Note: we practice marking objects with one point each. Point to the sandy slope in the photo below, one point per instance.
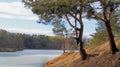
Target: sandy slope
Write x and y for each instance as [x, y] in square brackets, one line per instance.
[98, 56]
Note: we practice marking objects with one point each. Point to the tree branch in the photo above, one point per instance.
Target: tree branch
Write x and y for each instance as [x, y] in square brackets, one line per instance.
[110, 16]
[104, 14]
[99, 18]
[76, 26]
[69, 22]
[111, 12]
[80, 17]
[74, 17]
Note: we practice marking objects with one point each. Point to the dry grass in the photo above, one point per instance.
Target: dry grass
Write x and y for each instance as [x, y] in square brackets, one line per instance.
[99, 56]
[66, 59]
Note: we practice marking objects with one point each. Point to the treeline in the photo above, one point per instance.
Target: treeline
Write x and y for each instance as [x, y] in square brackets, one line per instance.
[16, 41]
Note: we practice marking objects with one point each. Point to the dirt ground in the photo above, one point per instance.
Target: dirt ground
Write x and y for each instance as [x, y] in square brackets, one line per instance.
[99, 56]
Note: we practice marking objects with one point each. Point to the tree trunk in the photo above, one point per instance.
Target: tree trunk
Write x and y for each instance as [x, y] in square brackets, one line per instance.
[82, 52]
[79, 33]
[64, 46]
[111, 38]
[80, 42]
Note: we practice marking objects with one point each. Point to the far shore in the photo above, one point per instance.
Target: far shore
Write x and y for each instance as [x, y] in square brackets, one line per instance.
[10, 49]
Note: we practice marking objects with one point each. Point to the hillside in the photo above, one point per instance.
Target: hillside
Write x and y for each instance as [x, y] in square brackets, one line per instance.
[99, 56]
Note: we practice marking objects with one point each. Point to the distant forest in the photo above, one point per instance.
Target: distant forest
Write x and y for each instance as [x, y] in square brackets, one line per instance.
[17, 41]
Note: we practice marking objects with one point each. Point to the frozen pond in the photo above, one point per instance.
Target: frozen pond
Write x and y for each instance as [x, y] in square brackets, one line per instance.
[27, 58]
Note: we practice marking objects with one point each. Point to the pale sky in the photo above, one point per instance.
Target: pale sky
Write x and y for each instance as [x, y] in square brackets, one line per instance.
[14, 17]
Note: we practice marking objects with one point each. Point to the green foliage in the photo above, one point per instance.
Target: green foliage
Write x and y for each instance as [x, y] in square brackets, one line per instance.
[23, 41]
[115, 23]
[10, 40]
[72, 49]
[51, 9]
[59, 29]
[101, 35]
[108, 13]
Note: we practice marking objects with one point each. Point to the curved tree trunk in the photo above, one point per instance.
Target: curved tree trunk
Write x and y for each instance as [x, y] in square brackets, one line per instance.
[111, 38]
[82, 50]
[79, 33]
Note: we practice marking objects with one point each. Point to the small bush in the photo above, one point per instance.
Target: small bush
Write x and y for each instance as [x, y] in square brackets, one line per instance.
[72, 49]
